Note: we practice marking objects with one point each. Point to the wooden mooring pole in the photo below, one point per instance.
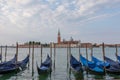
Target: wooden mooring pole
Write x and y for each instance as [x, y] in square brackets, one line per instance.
[29, 55]
[116, 52]
[69, 54]
[32, 58]
[51, 57]
[1, 53]
[51, 50]
[68, 69]
[69, 60]
[91, 51]
[79, 46]
[16, 54]
[54, 54]
[16, 51]
[5, 52]
[103, 50]
[87, 58]
[41, 52]
[86, 53]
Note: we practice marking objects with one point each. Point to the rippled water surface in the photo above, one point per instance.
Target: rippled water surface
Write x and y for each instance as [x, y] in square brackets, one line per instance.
[60, 71]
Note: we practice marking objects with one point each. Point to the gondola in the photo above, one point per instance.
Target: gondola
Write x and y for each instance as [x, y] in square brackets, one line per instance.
[109, 65]
[8, 68]
[45, 66]
[22, 64]
[100, 63]
[13, 66]
[13, 60]
[114, 66]
[91, 66]
[76, 66]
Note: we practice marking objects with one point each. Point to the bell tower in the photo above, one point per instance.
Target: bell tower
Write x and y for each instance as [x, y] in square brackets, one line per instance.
[59, 37]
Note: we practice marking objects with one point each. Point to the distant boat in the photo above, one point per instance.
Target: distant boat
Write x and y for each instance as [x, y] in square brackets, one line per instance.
[75, 65]
[12, 65]
[45, 66]
[91, 66]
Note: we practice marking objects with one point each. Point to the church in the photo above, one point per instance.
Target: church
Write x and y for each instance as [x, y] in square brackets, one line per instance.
[64, 43]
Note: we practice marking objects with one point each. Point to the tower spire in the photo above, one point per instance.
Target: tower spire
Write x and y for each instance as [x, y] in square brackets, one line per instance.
[58, 31]
[59, 37]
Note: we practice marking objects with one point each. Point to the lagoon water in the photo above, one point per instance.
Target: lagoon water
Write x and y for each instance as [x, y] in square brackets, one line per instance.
[61, 71]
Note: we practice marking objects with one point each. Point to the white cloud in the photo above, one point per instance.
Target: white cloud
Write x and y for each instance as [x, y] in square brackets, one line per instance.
[23, 1]
[36, 17]
[60, 8]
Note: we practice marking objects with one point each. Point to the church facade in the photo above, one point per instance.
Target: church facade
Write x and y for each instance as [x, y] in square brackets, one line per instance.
[66, 43]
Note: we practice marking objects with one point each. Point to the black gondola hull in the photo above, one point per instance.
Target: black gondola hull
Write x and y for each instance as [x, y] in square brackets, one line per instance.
[40, 71]
[9, 71]
[45, 66]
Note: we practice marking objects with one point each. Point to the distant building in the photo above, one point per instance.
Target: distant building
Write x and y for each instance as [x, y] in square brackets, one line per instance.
[83, 45]
[27, 46]
[60, 43]
[64, 43]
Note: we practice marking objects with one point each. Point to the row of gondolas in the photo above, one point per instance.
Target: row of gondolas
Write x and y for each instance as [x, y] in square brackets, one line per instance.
[95, 65]
[14, 66]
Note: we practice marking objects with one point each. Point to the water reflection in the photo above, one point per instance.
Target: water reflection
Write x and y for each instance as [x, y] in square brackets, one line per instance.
[115, 76]
[43, 76]
[7, 76]
[78, 76]
[91, 76]
[95, 76]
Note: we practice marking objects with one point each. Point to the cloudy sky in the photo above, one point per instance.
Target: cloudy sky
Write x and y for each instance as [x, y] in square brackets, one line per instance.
[93, 21]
